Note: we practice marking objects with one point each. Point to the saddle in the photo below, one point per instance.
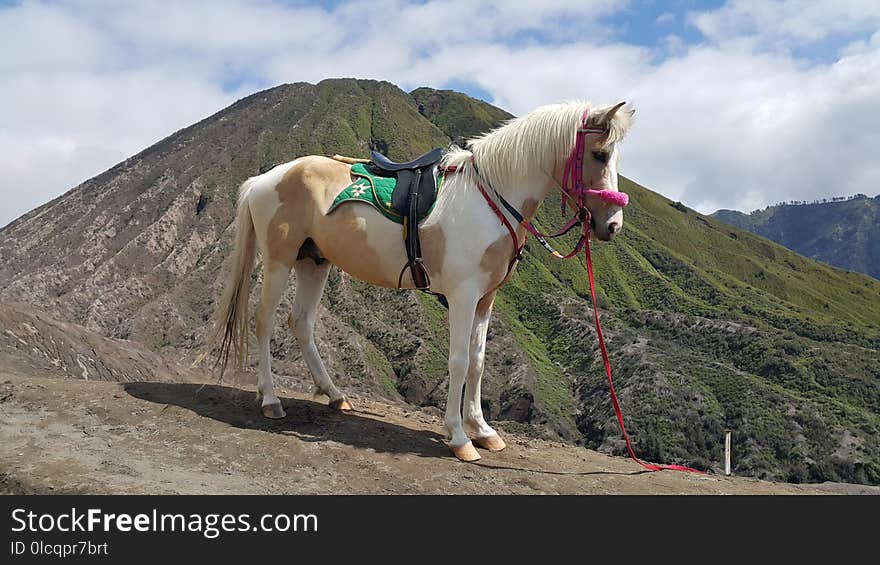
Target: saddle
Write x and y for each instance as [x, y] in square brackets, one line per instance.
[413, 196]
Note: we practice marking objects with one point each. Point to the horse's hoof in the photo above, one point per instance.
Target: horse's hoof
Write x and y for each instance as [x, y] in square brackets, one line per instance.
[341, 405]
[467, 452]
[273, 411]
[492, 443]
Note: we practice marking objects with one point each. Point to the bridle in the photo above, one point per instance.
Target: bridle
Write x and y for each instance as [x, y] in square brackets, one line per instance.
[573, 189]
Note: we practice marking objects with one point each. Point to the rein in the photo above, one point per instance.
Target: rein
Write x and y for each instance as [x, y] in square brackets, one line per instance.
[572, 188]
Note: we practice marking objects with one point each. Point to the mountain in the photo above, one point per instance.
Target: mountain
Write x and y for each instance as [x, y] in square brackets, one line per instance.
[843, 232]
[709, 328]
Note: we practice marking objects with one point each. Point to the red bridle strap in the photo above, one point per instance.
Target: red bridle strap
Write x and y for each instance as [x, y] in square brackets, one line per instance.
[517, 246]
[573, 174]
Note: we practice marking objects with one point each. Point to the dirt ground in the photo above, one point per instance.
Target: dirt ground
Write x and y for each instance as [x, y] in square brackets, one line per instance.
[74, 436]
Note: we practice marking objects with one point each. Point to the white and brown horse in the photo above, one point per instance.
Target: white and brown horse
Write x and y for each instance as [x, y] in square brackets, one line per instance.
[466, 250]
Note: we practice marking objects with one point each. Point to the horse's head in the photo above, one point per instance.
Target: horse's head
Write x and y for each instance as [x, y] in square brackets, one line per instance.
[606, 128]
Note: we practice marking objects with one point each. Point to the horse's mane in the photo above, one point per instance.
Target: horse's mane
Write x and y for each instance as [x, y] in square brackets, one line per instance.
[539, 141]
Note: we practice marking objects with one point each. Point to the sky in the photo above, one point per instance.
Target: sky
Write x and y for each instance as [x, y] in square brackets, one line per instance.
[739, 104]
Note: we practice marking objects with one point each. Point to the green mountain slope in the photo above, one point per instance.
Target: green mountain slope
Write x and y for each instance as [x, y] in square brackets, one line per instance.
[714, 329]
[458, 115]
[844, 233]
[709, 327]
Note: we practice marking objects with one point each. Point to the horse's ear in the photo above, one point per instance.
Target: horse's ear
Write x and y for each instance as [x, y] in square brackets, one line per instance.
[615, 122]
[609, 115]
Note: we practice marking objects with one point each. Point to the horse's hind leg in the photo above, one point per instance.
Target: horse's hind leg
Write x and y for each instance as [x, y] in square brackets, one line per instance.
[275, 276]
[310, 281]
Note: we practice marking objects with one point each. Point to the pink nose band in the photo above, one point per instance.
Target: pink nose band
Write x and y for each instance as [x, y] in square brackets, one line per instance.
[610, 196]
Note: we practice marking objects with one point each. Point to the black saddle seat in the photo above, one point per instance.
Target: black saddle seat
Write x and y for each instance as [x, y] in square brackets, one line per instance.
[413, 195]
[426, 160]
[416, 178]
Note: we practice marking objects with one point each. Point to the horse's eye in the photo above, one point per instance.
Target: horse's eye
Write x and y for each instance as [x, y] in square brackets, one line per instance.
[600, 156]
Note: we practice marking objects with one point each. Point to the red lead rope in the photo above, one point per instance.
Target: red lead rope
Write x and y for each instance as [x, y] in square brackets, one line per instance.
[588, 256]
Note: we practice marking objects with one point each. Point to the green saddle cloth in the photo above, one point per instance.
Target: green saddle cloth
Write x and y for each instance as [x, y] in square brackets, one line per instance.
[376, 191]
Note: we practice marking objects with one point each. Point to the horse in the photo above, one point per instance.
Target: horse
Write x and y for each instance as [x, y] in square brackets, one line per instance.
[466, 250]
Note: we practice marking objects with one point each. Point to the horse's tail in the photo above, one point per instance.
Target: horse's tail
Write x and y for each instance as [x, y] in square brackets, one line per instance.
[231, 316]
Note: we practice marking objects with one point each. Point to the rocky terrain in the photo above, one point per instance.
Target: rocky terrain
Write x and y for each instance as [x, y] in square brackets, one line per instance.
[68, 436]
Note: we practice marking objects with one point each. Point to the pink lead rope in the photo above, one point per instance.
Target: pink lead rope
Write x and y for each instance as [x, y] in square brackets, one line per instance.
[573, 187]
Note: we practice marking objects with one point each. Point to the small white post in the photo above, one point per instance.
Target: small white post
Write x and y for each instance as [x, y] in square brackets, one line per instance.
[727, 454]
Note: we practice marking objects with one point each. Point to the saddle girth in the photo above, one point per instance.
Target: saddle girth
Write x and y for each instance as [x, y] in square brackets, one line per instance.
[411, 239]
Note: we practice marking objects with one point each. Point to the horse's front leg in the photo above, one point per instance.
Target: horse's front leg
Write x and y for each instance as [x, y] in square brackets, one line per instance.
[474, 422]
[461, 320]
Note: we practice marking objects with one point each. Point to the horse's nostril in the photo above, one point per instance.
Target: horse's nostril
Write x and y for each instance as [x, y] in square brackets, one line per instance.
[612, 227]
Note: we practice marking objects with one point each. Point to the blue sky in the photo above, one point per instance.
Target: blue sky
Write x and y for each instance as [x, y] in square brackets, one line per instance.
[739, 104]
[648, 23]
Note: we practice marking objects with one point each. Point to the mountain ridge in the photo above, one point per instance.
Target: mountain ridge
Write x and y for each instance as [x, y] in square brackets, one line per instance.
[844, 233]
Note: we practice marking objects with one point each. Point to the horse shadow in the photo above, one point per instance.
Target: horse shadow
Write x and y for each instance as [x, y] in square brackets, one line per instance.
[306, 420]
[313, 421]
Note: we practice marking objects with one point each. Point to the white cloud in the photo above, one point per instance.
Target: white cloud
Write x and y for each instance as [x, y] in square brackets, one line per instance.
[45, 39]
[67, 128]
[790, 23]
[745, 130]
[735, 121]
